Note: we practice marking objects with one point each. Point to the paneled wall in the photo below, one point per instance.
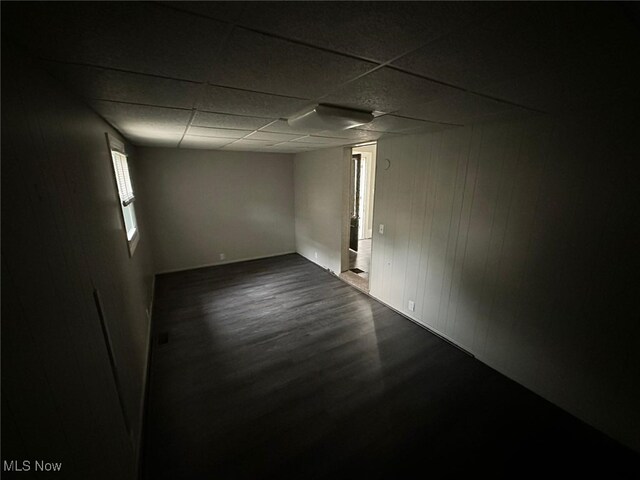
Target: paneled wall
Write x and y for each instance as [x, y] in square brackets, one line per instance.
[203, 203]
[518, 241]
[63, 237]
[321, 206]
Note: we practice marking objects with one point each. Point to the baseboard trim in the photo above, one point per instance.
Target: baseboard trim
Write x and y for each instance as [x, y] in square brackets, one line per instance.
[215, 264]
[399, 312]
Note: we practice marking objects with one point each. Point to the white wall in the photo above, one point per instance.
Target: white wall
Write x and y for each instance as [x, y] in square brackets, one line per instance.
[62, 236]
[516, 240]
[203, 203]
[321, 208]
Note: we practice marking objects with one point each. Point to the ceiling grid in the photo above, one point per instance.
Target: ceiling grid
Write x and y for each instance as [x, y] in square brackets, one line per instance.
[229, 74]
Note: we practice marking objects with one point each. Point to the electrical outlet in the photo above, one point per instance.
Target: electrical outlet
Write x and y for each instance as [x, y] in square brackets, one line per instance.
[222, 256]
[381, 229]
[315, 254]
[412, 306]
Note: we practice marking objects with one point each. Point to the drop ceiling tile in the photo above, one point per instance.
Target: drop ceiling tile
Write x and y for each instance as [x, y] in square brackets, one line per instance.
[248, 145]
[352, 134]
[375, 30]
[538, 54]
[225, 11]
[272, 137]
[507, 116]
[243, 102]
[281, 126]
[542, 91]
[193, 141]
[138, 122]
[288, 148]
[105, 84]
[392, 123]
[460, 108]
[611, 50]
[596, 90]
[262, 63]
[321, 146]
[134, 36]
[219, 120]
[217, 132]
[315, 140]
[592, 70]
[387, 90]
[502, 47]
[253, 142]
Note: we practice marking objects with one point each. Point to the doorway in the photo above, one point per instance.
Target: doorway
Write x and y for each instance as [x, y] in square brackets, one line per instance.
[361, 195]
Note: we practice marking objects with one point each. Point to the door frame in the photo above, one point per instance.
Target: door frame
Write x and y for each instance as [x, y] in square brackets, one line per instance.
[347, 199]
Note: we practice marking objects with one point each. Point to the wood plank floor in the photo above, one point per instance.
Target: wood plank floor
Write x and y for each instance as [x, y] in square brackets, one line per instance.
[276, 369]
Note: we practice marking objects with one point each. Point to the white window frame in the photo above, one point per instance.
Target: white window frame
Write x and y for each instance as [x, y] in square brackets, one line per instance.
[124, 192]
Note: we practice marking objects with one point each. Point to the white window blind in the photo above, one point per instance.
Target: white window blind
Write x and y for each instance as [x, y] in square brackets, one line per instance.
[121, 168]
[124, 191]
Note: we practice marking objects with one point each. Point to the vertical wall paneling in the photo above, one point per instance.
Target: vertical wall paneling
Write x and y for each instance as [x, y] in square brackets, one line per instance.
[405, 186]
[445, 179]
[418, 200]
[514, 239]
[432, 172]
[461, 157]
[461, 233]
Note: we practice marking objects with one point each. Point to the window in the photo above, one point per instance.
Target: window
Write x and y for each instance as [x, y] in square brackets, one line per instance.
[125, 191]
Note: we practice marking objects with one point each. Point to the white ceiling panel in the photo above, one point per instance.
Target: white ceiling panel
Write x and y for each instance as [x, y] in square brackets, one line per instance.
[506, 116]
[218, 120]
[288, 148]
[139, 122]
[194, 141]
[248, 145]
[601, 68]
[375, 30]
[133, 36]
[587, 69]
[394, 124]
[243, 102]
[229, 69]
[387, 90]
[106, 84]
[281, 126]
[460, 108]
[226, 11]
[501, 47]
[352, 134]
[316, 140]
[543, 91]
[262, 63]
[272, 137]
[217, 132]
[319, 146]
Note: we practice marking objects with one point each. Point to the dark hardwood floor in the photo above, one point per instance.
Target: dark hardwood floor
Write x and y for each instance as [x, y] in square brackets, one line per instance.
[276, 369]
